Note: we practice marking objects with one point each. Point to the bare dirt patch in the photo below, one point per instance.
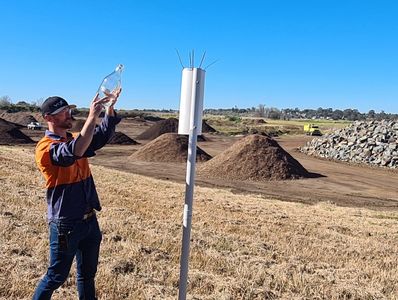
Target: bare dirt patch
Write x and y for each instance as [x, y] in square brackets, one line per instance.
[339, 183]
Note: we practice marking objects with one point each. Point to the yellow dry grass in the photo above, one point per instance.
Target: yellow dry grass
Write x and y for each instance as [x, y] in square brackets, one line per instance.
[227, 125]
[243, 246]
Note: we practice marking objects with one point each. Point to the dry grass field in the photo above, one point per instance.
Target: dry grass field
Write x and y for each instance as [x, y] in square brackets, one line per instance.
[237, 125]
[243, 246]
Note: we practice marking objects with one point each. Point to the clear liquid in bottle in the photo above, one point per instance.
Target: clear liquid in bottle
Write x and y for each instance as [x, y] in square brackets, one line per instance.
[110, 85]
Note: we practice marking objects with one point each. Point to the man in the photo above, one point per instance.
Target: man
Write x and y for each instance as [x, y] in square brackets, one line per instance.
[71, 195]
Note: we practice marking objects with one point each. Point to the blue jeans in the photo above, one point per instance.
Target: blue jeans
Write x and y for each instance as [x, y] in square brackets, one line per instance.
[67, 240]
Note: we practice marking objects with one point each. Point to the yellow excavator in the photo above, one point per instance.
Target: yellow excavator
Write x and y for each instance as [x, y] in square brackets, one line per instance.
[312, 129]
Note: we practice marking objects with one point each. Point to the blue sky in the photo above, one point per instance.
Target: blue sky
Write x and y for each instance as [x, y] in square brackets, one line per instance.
[284, 54]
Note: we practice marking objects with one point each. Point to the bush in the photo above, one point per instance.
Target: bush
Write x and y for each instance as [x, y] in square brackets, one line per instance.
[235, 119]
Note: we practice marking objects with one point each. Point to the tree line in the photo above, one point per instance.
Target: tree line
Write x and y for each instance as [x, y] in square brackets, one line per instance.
[260, 111]
[7, 105]
[296, 113]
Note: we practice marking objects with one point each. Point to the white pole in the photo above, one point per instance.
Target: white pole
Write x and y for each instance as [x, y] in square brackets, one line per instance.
[189, 185]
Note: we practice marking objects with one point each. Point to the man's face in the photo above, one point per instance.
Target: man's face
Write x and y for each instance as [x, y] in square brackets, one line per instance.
[63, 119]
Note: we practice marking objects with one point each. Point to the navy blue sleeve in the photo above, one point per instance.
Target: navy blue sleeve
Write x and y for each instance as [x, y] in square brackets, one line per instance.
[103, 133]
[61, 154]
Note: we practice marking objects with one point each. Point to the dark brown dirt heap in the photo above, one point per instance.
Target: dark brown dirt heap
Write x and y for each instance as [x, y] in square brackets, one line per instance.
[170, 126]
[256, 158]
[122, 139]
[259, 121]
[159, 128]
[200, 138]
[23, 118]
[169, 147]
[207, 128]
[10, 134]
[153, 118]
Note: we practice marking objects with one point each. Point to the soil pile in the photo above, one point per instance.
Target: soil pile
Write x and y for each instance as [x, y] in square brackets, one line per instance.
[256, 158]
[259, 121]
[118, 138]
[373, 143]
[169, 147]
[25, 120]
[22, 118]
[121, 139]
[170, 126]
[252, 121]
[207, 128]
[153, 118]
[137, 119]
[10, 134]
[159, 128]
[4, 122]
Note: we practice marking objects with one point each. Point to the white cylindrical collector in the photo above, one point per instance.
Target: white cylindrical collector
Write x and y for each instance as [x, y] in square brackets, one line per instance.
[192, 87]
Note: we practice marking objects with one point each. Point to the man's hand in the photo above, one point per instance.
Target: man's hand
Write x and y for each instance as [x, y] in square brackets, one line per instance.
[86, 134]
[112, 98]
[96, 106]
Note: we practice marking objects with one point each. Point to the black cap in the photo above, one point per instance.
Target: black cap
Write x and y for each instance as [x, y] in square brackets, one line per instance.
[53, 105]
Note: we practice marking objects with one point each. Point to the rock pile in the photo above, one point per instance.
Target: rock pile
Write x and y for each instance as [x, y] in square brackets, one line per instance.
[372, 142]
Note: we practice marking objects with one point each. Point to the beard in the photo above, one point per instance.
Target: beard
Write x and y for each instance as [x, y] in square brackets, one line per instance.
[66, 124]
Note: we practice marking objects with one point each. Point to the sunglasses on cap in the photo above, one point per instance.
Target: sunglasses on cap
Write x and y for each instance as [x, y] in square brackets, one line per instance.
[62, 110]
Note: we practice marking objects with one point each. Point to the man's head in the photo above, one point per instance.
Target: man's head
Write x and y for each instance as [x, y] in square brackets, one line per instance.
[57, 111]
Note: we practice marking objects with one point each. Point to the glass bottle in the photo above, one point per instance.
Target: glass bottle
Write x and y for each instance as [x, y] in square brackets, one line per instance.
[110, 85]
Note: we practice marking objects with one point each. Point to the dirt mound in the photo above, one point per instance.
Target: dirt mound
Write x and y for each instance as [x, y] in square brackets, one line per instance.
[169, 147]
[207, 128]
[201, 138]
[137, 119]
[169, 126]
[259, 121]
[10, 134]
[252, 121]
[5, 122]
[159, 128]
[22, 118]
[153, 118]
[122, 139]
[25, 120]
[256, 158]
